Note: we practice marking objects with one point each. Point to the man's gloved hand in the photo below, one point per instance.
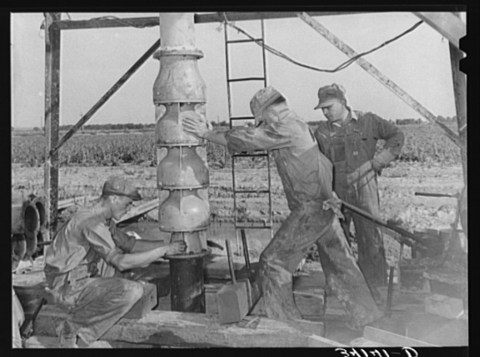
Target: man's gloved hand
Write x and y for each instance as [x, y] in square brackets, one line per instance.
[335, 204]
[380, 161]
[195, 123]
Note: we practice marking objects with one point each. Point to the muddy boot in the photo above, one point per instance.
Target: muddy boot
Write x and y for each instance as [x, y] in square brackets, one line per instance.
[67, 336]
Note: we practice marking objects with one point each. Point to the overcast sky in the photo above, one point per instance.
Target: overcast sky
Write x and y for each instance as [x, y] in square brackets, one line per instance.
[93, 60]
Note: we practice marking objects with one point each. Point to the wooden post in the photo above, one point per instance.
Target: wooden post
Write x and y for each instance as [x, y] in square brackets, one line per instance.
[378, 75]
[52, 119]
[459, 88]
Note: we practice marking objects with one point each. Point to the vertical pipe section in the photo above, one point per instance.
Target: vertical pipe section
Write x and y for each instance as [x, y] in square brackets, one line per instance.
[52, 119]
[182, 169]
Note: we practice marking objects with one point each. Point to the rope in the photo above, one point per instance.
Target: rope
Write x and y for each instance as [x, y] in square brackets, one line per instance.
[338, 68]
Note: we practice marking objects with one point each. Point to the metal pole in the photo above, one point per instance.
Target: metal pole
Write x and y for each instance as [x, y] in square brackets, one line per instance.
[378, 75]
[52, 119]
[107, 95]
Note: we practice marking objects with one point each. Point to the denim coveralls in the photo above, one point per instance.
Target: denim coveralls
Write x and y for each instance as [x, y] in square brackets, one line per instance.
[350, 146]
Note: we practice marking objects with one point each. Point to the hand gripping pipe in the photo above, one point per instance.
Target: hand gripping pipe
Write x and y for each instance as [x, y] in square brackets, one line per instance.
[182, 169]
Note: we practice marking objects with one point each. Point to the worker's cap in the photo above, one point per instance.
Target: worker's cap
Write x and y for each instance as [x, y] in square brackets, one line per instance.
[116, 185]
[326, 93]
[262, 99]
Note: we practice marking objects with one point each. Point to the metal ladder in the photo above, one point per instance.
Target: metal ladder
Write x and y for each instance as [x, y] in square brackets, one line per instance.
[255, 154]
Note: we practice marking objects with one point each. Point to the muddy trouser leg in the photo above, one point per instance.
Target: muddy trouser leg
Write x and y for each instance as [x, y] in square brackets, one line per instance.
[100, 304]
[371, 251]
[344, 277]
[280, 259]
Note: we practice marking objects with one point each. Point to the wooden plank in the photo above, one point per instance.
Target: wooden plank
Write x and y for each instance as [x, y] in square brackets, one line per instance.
[171, 328]
[139, 210]
[53, 342]
[319, 341]
[388, 338]
[152, 21]
[363, 342]
[378, 75]
[448, 24]
[52, 120]
[69, 202]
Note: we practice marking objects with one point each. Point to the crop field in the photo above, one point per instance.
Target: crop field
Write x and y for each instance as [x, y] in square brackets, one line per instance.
[423, 143]
[429, 163]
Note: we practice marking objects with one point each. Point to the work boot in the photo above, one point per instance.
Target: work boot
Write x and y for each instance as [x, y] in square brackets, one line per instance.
[67, 336]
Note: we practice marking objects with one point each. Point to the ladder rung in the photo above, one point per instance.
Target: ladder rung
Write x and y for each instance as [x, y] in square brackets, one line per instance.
[242, 118]
[251, 226]
[244, 79]
[250, 191]
[260, 154]
[246, 40]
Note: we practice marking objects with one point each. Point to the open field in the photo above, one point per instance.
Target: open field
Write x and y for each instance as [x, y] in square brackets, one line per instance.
[423, 143]
[429, 163]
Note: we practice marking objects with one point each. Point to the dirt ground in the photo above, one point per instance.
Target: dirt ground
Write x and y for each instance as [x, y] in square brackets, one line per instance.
[397, 187]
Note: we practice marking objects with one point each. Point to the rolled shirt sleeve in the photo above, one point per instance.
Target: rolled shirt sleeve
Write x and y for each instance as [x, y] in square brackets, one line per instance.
[393, 136]
[122, 239]
[101, 241]
[265, 137]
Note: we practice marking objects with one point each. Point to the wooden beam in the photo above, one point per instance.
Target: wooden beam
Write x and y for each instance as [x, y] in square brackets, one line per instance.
[139, 210]
[184, 329]
[106, 96]
[448, 24]
[388, 338]
[378, 75]
[52, 119]
[460, 89]
[141, 22]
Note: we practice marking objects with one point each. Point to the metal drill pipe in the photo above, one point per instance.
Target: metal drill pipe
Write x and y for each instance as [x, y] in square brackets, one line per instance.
[411, 238]
[185, 213]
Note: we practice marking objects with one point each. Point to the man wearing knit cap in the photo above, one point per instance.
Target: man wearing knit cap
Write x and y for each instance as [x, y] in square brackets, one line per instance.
[306, 176]
[349, 140]
[83, 265]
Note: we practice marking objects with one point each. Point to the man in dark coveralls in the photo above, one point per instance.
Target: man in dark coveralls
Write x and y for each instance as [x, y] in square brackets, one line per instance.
[349, 139]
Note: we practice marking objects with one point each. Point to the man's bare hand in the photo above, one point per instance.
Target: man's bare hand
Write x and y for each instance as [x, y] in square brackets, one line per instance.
[195, 123]
[176, 248]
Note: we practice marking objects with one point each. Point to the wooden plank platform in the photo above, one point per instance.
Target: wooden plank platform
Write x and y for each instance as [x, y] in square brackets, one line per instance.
[168, 328]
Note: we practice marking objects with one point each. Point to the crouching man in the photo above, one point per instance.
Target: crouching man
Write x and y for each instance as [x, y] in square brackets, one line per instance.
[306, 176]
[83, 265]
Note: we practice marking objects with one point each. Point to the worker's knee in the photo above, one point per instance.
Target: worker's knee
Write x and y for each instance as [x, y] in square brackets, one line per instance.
[132, 290]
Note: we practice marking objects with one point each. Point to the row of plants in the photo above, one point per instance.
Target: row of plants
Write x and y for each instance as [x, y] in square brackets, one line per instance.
[423, 143]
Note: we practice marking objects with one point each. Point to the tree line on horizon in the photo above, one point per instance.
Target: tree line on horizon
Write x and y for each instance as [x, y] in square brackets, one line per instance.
[151, 126]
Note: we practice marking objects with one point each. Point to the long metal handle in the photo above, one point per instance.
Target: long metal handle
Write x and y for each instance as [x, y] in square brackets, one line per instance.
[412, 239]
[434, 194]
[245, 250]
[230, 261]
